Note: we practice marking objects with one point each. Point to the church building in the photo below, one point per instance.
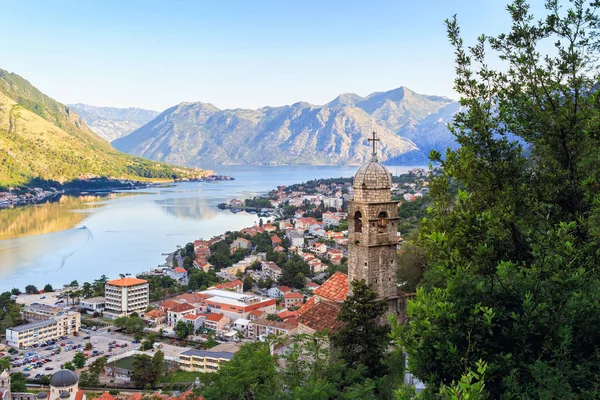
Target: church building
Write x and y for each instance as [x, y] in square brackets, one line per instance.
[372, 243]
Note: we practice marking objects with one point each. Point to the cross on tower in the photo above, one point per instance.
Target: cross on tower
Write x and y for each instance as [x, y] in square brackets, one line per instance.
[374, 140]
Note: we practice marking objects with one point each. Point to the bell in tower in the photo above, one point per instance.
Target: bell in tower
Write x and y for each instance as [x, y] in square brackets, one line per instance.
[372, 228]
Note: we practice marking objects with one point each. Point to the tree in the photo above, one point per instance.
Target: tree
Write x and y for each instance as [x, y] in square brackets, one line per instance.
[158, 365]
[240, 378]
[69, 365]
[87, 290]
[79, 360]
[74, 284]
[15, 292]
[88, 379]
[273, 317]
[89, 346]
[18, 383]
[248, 282]
[362, 339]
[132, 324]
[31, 289]
[146, 345]
[96, 367]
[412, 261]
[183, 329]
[512, 275]
[141, 370]
[5, 364]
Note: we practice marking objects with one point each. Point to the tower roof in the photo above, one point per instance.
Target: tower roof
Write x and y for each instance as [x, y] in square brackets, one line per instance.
[372, 175]
[63, 378]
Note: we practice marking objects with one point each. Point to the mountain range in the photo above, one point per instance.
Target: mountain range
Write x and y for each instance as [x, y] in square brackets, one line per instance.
[44, 140]
[111, 123]
[409, 126]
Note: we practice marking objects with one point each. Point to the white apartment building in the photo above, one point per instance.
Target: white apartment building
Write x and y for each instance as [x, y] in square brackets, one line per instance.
[126, 295]
[30, 334]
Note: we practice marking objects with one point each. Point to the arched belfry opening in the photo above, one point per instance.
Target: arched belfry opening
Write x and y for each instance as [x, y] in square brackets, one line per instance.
[357, 222]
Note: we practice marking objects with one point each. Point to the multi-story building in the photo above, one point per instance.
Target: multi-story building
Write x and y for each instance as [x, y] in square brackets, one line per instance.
[203, 360]
[126, 295]
[216, 322]
[93, 304]
[263, 327]
[178, 312]
[293, 299]
[234, 305]
[68, 323]
[32, 333]
[39, 312]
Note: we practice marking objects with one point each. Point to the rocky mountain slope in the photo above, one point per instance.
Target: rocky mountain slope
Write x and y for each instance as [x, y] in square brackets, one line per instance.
[43, 139]
[111, 123]
[408, 124]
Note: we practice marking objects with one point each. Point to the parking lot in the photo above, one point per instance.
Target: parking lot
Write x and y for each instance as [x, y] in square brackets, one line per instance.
[48, 359]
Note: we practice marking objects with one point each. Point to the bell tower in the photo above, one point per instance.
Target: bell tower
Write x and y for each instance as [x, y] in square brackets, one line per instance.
[372, 227]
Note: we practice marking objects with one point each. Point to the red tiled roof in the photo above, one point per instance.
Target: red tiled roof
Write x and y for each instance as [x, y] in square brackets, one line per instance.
[275, 239]
[335, 288]
[215, 317]
[312, 284]
[279, 249]
[127, 281]
[192, 317]
[257, 313]
[309, 303]
[182, 308]
[187, 297]
[293, 296]
[105, 396]
[168, 304]
[237, 282]
[285, 314]
[155, 313]
[79, 394]
[322, 316]
[284, 289]
[180, 270]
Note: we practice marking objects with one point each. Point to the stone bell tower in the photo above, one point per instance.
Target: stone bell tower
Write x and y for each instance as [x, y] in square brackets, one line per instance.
[372, 227]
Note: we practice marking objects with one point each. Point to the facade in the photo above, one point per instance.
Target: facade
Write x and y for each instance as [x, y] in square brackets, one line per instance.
[156, 317]
[216, 322]
[234, 305]
[203, 360]
[262, 327]
[93, 304]
[293, 300]
[372, 227]
[32, 333]
[126, 295]
[39, 312]
[196, 320]
[272, 270]
[178, 312]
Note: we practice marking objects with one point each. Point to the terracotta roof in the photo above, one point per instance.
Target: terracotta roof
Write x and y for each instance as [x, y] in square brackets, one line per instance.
[335, 288]
[215, 317]
[275, 239]
[168, 304]
[285, 314]
[284, 289]
[187, 297]
[126, 282]
[181, 308]
[79, 394]
[237, 282]
[312, 284]
[257, 313]
[321, 316]
[293, 296]
[192, 317]
[279, 249]
[155, 313]
[105, 396]
[277, 324]
[309, 303]
[180, 270]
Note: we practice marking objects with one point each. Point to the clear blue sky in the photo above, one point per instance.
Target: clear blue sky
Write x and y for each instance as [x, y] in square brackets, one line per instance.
[155, 54]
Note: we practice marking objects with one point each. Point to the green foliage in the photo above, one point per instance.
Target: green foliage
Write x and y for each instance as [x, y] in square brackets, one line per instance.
[295, 271]
[148, 370]
[362, 339]
[512, 273]
[240, 378]
[10, 312]
[183, 329]
[70, 366]
[5, 364]
[258, 202]
[132, 324]
[48, 288]
[79, 360]
[412, 262]
[18, 382]
[15, 291]
[31, 289]
[248, 282]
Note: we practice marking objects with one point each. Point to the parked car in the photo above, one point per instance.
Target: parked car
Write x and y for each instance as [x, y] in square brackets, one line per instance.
[48, 368]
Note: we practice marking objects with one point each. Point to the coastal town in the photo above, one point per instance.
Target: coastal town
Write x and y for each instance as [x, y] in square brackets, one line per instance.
[209, 298]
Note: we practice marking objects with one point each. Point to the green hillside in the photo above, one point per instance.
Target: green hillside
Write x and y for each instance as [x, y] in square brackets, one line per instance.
[41, 138]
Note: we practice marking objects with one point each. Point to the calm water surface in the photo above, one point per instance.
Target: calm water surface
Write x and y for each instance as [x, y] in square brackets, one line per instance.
[84, 237]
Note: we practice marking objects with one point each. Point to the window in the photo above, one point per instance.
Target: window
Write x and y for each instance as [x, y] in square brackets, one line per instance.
[357, 222]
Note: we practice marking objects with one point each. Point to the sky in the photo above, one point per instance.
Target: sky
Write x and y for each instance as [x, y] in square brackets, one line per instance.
[236, 54]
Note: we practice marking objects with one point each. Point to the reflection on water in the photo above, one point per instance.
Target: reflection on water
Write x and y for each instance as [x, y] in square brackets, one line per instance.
[52, 216]
[195, 208]
[45, 253]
